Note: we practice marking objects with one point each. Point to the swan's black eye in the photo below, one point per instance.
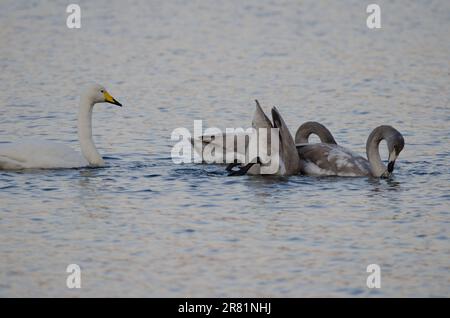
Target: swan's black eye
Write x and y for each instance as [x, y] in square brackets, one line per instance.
[102, 91]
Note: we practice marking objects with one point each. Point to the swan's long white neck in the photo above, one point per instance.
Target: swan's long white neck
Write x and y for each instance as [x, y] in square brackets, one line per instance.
[85, 132]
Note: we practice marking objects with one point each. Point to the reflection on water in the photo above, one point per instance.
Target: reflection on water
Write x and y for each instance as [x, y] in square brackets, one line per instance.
[143, 226]
[380, 186]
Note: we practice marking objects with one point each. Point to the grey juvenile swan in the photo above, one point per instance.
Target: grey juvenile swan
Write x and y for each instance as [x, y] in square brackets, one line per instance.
[313, 127]
[225, 143]
[289, 162]
[333, 160]
[219, 140]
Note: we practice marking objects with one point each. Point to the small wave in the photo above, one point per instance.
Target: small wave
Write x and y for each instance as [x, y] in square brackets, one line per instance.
[152, 175]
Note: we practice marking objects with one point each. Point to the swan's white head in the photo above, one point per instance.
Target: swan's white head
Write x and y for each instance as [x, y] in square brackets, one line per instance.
[98, 94]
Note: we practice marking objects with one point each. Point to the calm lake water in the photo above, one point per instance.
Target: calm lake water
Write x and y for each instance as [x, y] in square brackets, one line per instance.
[143, 226]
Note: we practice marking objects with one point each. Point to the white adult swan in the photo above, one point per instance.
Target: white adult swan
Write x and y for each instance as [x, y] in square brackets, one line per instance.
[38, 154]
[333, 160]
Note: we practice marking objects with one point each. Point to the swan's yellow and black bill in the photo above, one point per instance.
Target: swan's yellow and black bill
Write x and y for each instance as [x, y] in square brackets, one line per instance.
[111, 100]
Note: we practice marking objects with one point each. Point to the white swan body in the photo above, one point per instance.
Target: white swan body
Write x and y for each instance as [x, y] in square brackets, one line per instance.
[41, 154]
[34, 153]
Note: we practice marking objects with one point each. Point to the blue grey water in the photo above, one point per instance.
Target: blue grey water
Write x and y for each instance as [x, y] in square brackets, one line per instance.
[143, 226]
